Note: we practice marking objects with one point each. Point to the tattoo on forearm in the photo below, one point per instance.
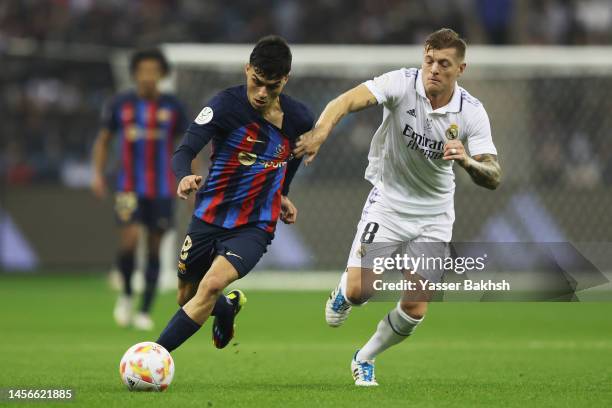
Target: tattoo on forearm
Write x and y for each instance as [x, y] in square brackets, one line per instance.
[485, 170]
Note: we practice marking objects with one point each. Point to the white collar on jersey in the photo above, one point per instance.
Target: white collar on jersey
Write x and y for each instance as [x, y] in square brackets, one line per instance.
[454, 106]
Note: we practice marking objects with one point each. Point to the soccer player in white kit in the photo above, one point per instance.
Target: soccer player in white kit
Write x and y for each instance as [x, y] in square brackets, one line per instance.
[427, 119]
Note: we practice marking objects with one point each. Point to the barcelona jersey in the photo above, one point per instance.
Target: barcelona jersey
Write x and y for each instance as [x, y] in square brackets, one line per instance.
[146, 131]
[251, 163]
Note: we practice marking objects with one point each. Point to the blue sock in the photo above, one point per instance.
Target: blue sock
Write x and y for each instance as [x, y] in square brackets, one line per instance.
[178, 330]
[151, 278]
[125, 264]
[223, 307]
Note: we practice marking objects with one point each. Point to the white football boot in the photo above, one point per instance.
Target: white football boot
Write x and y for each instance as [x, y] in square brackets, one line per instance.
[123, 310]
[143, 321]
[363, 372]
[337, 308]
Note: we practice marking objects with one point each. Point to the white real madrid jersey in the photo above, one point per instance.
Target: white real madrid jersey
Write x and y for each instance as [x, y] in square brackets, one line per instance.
[405, 158]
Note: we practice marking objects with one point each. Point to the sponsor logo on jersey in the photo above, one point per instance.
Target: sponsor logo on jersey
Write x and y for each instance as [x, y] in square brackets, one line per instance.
[274, 163]
[246, 158]
[411, 112]
[249, 159]
[430, 148]
[133, 133]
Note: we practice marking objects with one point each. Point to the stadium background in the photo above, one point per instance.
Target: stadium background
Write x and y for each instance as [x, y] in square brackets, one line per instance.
[60, 60]
[60, 64]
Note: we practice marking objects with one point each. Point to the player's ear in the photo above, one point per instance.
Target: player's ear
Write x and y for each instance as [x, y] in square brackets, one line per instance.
[462, 67]
[247, 68]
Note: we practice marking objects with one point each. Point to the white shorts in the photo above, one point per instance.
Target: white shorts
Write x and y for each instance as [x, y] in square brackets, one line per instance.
[381, 224]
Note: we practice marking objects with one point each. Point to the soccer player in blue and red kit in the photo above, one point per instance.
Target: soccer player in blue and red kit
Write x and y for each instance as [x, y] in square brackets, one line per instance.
[147, 124]
[253, 129]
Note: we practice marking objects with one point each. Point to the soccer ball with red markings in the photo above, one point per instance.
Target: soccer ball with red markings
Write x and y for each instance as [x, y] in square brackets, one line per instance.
[146, 366]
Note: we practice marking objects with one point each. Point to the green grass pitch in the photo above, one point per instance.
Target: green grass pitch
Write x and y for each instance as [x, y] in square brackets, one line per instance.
[58, 331]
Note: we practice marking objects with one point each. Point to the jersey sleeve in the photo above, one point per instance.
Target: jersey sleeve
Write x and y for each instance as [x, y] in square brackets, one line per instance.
[182, 122]
[479, 138]
[388, 88]
[210, 122]
[108, 116]
[307, 124]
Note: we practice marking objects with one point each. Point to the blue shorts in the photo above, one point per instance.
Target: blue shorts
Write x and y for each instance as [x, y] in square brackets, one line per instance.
[154, 213]
[243, 247]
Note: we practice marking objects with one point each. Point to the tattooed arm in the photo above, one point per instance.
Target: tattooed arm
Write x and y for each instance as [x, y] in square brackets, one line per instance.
[354, 100]
[484, 169]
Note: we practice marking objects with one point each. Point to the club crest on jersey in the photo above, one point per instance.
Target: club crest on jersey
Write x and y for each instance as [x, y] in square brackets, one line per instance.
[452, 132]
[279, 151]
[163, 115]
[204, 116]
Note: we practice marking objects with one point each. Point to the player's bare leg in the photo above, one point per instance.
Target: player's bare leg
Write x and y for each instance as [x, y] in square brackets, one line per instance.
[186, 290]
[394, 328]
[208, 297]
[352, 290]
[218, 277]
[128, 240]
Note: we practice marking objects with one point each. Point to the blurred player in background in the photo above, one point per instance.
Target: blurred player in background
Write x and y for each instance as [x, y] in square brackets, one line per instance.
[253, 129]
[426, 121]
[146, 124]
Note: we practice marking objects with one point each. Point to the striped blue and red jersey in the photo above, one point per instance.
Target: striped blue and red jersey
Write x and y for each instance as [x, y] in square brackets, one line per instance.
[251, 162]
[146, 131]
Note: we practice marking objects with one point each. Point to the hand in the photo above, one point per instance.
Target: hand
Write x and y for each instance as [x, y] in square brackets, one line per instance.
[98, 186]
[187, 185]
[454, 150]
[309, 143]
[288, 211]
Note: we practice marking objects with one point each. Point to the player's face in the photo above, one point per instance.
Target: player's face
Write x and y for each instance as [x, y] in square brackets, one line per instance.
[441, 68]
[262, 92]
[147, 75]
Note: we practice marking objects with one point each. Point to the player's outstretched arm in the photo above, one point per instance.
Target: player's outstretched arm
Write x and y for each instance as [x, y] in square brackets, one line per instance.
[484, 169]
[99, 157]
[354, 100]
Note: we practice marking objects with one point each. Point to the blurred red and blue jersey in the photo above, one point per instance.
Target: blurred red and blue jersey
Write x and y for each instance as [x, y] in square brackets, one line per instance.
[251, 162]
[146, 130]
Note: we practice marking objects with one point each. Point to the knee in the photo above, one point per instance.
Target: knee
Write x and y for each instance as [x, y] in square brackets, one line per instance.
[416, 310]
[212, 285]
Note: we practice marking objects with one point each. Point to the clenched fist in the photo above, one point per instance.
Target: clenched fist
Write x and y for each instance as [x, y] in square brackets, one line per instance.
[188, 185]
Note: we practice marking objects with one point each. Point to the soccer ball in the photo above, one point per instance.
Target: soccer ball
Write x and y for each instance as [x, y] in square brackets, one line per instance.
[146, 366]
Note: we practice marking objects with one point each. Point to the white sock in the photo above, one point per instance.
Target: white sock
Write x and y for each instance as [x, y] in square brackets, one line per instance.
[395, 327]
[343, 280]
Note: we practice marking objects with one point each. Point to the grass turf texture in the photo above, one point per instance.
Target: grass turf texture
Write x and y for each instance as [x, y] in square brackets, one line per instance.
[58, 331]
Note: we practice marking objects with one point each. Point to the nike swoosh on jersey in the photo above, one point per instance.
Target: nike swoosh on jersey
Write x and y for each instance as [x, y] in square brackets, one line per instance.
[250, 139]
